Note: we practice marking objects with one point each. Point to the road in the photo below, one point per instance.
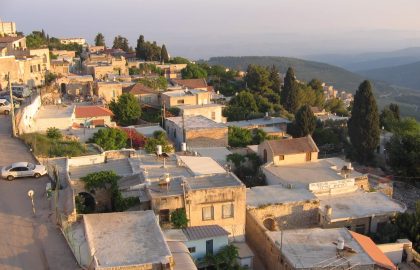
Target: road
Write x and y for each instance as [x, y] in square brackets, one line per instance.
[27, 241]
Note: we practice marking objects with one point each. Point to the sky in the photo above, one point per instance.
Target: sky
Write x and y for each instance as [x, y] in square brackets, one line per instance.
[201, 29]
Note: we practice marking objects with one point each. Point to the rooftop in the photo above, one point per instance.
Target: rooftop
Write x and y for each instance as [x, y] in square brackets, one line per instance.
[121, 167]
[8, 39]
[201, 165]
[139, 88]
[126, 239]
[55, 111]
[269, 121]
[195, 122]
[292, 146]
[182, 93]
[217, 153]
[213, 181]
[360, 204]
[191, 107]
[92, 111]
[315, 248]
[304, 174]
[203, 232]
[258, 196]
[148, 130]
[191, 83]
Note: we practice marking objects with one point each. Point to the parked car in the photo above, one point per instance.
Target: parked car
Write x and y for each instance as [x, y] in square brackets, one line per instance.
[5, 106]
[23, 169]
[21, 91]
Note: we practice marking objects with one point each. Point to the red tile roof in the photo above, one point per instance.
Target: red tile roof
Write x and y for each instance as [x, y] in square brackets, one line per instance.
[191, 83]
[92, 111]
[139, 89]
[292, 146]
[373, 251]
[8, 39]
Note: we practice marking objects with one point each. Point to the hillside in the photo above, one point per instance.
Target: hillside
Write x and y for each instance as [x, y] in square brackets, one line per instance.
[304, 70]
[408, 99]
[403, 75]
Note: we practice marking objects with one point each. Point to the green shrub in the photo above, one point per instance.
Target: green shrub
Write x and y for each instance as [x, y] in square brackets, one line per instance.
[179, 218]
[54, 133]
[110, 138]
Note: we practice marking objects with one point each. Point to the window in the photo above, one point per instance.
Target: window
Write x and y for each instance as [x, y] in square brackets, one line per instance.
[360, 228]
[281, 157]
[148, 100]
[39, 67]
[164, 215]
[180, 101]
[207, 213]
[227, 211]
[213, 115]
[191, 249]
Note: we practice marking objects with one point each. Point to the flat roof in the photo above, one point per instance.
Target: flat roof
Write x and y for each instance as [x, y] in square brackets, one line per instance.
[201, 165]
[126, 239]
[121, 167]
[210, 105]
[217, 153]
[276, 194]
[54, 111]
[315, 248]
[213, 181]
[303, 174]
[195, 122]
[360, 204]
[149, 130]
[269, 121]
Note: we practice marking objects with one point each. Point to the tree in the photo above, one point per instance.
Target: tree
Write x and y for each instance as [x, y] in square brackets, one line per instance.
[336, 105]
[364, 124]
[179, 60]
[99, 40]
[110, 138]
[164, 56]
[239, 137]
[390, 116]
[121, 43]
[275, 79]
[179, 218]
[289, 94]
[141, 48]
[54, 133]
[193, 71]
[126, 110]
[241, 107]
[305, 122]
[159, 138]
[258, 78]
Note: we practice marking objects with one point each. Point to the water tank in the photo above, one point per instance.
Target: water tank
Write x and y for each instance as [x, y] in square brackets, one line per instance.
[184, 147]
[340, 243]
[159, 149]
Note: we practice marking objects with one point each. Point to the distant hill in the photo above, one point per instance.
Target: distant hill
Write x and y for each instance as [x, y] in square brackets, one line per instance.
[403, 75]
[385, 92]
[304, 70]
[367, 61]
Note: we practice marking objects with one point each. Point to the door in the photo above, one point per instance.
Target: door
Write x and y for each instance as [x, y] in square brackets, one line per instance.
[209, 246]
[23, 172]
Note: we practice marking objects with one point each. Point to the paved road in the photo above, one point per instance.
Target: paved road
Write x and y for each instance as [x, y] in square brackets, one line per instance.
[27, 241]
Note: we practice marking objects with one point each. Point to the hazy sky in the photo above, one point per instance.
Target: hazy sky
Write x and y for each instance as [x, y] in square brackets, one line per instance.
[200, 29]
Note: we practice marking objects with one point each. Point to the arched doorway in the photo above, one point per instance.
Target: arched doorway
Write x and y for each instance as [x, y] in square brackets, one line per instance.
[85, 203]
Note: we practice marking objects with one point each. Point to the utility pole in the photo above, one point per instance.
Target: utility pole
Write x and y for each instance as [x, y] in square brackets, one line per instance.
[12, 109]
[163, 115]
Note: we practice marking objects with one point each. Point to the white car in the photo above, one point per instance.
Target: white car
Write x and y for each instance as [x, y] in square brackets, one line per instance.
[23, 169]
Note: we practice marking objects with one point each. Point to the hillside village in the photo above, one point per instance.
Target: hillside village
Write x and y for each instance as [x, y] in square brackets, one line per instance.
[159, 162]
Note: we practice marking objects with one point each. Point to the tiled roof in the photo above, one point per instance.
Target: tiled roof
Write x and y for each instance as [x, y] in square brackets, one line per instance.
[192, 83]
[292, 146]
[139, 88]
[202, 232]
[92, 111]
[373, 251]
[8, 39]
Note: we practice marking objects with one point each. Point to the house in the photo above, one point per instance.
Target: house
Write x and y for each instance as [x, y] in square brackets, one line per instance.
[7, 28]
[96, 49]
[318, 111]
[321, 249]
[77, 40]
[359, 211]
[274, 126]
[148, 130]
[76, 85]
[211, 111]
[196, 132]
[60, 67]
[141, 243]
[144, 94]
[93, 115]
[171, 71]
[108, 91]
[185, 97]
[288, 151]
[200, 84]
[13, 43]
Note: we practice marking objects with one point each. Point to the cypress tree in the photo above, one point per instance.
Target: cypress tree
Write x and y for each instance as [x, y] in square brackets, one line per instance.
[99, 40]
[140, 48]
[164, 57]
[305, 122]
[289, 94]
[363, 125]
[275, 79]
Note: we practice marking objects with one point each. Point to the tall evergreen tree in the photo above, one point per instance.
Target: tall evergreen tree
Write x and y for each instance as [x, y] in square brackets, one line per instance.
[164, 56]
[99, 40]
[275, 79]
[363, 125]
[121, 43]
[305, 122]
[140, 48]
[289, 96]
[395, 109]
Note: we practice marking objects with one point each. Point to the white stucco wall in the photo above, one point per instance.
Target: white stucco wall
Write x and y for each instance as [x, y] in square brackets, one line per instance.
[200, 246]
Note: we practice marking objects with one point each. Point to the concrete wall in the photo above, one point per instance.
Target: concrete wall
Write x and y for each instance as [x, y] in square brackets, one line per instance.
[108, 91]
[212, 137]
[394, 251]
[370, 223]
[26, 122]
[86, 160]
[200, 246]
[288, 159]
[218, 197]
[213, 112]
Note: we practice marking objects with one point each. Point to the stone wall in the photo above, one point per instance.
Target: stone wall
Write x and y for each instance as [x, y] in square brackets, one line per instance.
[212, 137]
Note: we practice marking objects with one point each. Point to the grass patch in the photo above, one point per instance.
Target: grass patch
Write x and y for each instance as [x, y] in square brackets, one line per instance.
[43, 146]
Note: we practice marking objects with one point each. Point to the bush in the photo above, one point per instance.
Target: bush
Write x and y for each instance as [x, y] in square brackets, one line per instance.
[110, 138]
[159, 138]
[134, 137]
[179, 218]
[54, 133]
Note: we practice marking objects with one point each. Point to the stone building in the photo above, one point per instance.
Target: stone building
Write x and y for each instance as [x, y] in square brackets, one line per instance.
[145, 95]
[274, 126]
[211, 111]
[7, 28]
[107, 90]
[185, 97]
[200, 84]
[196, 131]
